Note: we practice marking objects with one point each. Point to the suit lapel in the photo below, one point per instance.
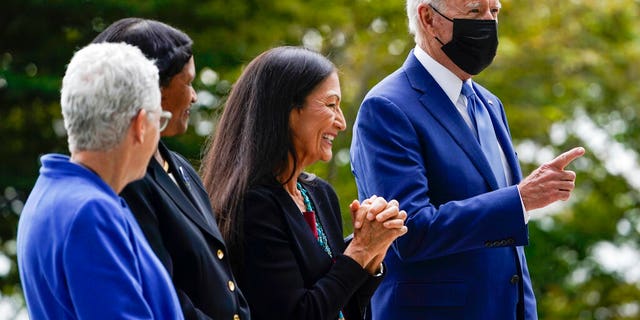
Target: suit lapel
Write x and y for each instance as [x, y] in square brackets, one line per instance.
[504, 138]
[182, 196]
[437, 103]
[300, 228]
[189, 184]
[322, 213]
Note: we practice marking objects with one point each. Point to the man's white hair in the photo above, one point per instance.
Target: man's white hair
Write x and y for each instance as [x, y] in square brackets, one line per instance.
[104, 87]
[412, 14]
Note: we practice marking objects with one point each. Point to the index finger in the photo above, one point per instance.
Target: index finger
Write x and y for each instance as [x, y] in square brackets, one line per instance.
[564, 159]
[357, 213]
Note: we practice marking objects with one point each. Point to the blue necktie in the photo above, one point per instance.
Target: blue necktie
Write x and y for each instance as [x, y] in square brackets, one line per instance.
[485, 132]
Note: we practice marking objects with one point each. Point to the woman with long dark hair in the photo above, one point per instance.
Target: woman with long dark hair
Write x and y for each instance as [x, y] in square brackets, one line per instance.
[283, 226]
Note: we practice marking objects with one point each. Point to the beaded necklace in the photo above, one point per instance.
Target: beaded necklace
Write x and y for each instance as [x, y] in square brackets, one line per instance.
[322, 238]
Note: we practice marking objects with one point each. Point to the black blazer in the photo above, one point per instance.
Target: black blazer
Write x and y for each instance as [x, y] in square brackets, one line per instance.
[178, 222]
[286, 274]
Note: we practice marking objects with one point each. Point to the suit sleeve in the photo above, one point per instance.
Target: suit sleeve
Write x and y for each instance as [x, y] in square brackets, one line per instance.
[140, 198]
[98, 248]
[275, 286]
[388, 159]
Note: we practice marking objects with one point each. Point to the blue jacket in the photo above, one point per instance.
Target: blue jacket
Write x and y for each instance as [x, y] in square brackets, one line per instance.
[81, 254]
[462, 257]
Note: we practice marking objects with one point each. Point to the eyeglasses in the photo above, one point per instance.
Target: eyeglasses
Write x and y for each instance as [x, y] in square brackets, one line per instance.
[165, 116]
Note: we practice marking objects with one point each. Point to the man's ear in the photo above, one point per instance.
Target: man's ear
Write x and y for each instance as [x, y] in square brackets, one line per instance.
[425, 19]
[139, 125]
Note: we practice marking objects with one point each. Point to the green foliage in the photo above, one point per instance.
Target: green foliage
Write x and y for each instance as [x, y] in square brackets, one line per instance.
[566, 72]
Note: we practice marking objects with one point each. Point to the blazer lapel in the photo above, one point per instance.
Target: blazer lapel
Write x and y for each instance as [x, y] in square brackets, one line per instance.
[438, 104]
[504, 138]
[180, 197]
[300, 228]
[328, 225]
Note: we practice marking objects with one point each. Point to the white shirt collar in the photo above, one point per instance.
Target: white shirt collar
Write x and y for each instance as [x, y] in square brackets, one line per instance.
[447, 80]
[452, 86]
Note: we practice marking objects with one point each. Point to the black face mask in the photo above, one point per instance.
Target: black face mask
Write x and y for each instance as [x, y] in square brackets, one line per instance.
[474, 43]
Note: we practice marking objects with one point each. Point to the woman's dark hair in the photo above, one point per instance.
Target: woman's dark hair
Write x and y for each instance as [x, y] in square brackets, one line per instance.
[252, 142]
[168, 46]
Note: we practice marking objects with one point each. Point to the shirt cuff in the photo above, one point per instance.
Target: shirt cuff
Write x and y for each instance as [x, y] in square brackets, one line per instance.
[524, 211]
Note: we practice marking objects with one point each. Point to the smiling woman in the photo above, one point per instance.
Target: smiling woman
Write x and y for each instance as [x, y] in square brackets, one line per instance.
[283, 226]
[314, 127]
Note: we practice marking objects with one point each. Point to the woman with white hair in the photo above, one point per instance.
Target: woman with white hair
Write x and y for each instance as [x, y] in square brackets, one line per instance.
[81, 254]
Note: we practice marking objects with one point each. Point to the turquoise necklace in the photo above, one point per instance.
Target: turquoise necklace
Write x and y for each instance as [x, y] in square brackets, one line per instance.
[322, 238]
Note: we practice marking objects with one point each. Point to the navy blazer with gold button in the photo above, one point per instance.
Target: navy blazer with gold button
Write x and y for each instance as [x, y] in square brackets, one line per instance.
[177, 220]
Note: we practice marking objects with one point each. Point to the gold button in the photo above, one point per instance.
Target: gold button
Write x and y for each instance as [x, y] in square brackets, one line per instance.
[232, 286]
[236, 317]
[220, 254]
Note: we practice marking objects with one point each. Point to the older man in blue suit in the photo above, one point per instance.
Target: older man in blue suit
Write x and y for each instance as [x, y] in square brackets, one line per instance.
[439, 143]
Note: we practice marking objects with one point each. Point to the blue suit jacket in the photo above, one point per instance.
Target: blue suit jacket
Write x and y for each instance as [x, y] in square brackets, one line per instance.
[462, 257]
[81, 254]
